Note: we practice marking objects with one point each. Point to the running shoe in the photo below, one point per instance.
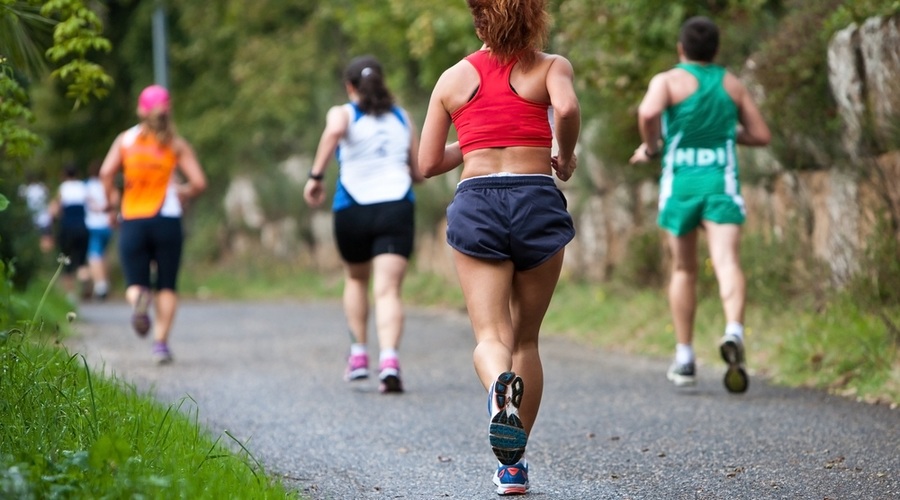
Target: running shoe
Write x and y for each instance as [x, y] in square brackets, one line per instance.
[161, 353]
[389, 376]
[506, 433]
[357, 367]
[732, 349]
[101, 291]
[512, 479]
[682, 374]
[140, 317]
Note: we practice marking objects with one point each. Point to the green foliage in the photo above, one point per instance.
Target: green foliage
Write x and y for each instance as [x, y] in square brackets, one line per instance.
[76, 32]
[16, 140]
[75, 36]
[19, 246]
[644, 267]
[842, 348]
[877, 284]
[857, 11]
[798, 105]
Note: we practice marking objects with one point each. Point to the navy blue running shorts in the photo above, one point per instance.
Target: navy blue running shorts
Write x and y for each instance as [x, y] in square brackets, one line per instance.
[522, 218]
[145, 242]
[364, 231]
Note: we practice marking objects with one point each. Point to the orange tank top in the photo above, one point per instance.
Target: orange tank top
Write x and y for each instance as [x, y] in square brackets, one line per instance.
[148, 166]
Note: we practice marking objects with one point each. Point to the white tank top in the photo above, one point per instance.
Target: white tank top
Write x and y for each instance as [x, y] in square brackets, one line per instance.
[374, 157]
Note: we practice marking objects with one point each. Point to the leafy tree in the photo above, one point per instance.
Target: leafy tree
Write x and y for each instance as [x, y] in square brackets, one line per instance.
[32, 34]
[75, 34]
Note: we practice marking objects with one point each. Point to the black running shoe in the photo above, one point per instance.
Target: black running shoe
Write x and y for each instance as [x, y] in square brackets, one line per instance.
[389, 376]
[682, 374]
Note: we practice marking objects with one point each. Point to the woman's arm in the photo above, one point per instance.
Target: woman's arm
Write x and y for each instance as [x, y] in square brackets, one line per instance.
[436, 157]
[111, 165]
[190, 167]
[566, 115]
[414, 171]
[336, 123]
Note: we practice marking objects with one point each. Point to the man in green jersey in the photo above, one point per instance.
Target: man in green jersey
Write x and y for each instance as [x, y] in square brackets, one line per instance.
[694, 115]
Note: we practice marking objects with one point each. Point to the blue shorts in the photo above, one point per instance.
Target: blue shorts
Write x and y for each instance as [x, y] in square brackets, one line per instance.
[522, 218]
[98, 240]
[144, 243]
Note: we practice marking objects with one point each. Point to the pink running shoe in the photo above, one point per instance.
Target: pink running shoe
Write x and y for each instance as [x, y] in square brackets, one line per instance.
[357, 367]
[389, 375]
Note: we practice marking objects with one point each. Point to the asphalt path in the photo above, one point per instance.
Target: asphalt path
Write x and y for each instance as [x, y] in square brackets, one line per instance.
[610, 427]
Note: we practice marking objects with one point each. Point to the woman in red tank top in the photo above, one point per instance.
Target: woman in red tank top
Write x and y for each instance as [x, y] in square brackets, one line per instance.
[508, 223]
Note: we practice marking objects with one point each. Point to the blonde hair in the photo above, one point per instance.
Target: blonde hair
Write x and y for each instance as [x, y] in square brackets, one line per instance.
[511, 28]
[159, 122]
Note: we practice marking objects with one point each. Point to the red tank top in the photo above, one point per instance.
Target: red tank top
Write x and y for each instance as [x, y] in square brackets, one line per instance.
[497, 117]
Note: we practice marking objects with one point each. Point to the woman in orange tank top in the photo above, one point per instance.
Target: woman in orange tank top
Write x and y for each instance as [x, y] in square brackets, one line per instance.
[148, 156]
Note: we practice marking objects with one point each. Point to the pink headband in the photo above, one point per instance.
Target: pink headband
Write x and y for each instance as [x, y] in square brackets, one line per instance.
[153, 97]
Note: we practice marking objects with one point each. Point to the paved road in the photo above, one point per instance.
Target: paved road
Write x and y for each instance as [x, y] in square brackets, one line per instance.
[610, 428]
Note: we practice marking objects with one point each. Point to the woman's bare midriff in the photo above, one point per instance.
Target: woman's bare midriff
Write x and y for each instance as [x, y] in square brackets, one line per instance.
[511, 160]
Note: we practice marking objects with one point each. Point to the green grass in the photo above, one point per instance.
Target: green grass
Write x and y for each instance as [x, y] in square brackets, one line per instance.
[66, 432]
[69, 434]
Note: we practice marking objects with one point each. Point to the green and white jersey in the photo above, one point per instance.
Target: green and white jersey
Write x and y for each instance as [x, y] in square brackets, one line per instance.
[699, 135]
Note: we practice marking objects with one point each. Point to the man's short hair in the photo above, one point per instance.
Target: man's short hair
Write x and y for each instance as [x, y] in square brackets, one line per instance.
[699, 39]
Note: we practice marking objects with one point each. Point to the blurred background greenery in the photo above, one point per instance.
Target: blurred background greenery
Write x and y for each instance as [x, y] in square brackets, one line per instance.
[252, 80]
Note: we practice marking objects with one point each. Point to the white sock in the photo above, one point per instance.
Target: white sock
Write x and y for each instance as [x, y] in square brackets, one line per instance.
[735, 328]
[357, 349]
[684, 354]
[388, 353]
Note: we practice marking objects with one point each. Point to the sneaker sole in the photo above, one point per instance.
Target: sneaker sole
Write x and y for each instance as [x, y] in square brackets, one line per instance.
[681, 380]
[391, 384]
[360, 374]
[511, 490]
[735, 380]
[506, 433]
[163, 360]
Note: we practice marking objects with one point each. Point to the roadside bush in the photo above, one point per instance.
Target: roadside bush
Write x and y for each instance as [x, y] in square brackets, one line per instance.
[19, 245]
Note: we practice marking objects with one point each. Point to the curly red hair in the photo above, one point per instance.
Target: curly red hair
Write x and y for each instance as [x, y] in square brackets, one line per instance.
[511, 28]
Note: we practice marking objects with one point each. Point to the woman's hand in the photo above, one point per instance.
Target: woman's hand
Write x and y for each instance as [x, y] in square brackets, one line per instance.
[564, 168]
[314, 193]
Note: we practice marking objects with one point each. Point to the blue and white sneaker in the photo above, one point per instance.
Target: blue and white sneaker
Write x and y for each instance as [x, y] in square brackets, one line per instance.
[512, 479]
[506, 433]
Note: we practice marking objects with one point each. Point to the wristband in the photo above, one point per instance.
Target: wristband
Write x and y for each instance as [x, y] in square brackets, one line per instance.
[648, 154]
[316, 177]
